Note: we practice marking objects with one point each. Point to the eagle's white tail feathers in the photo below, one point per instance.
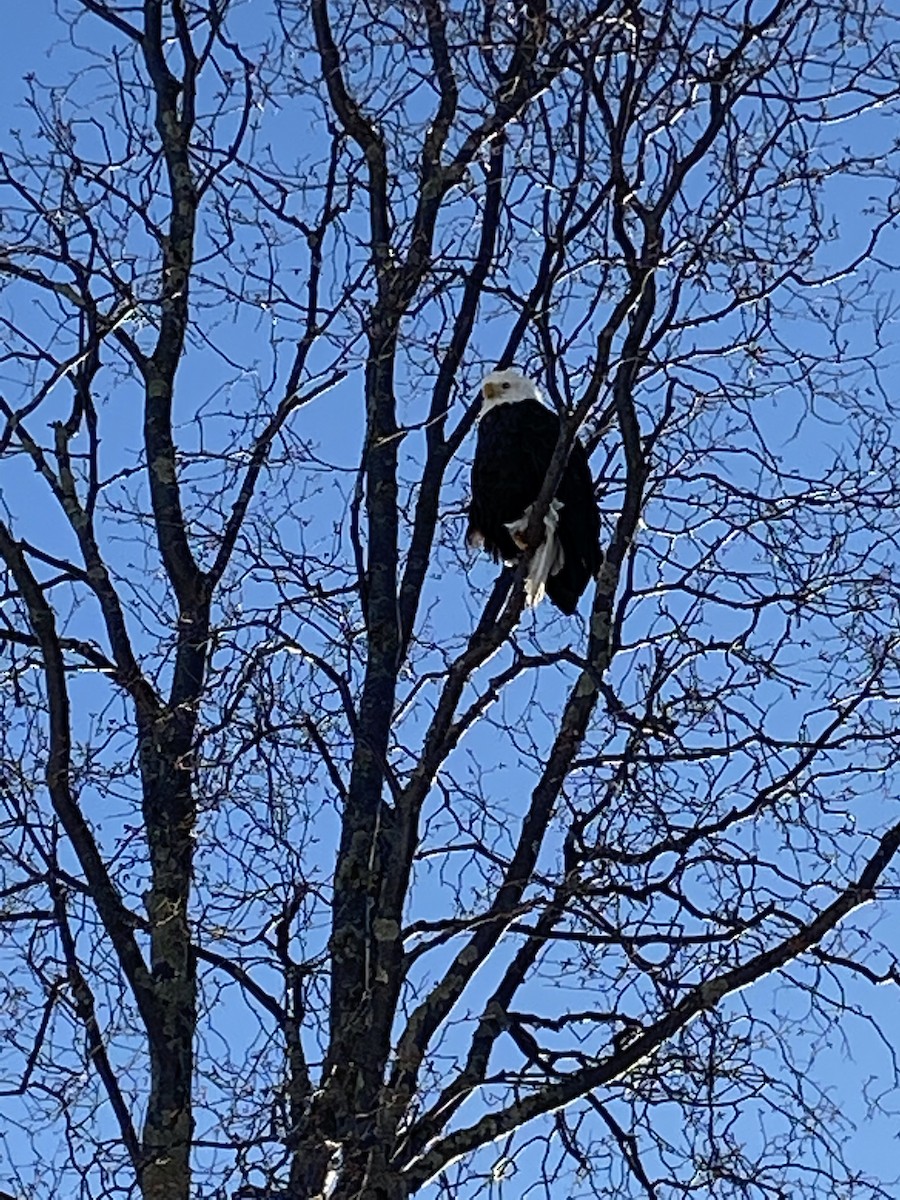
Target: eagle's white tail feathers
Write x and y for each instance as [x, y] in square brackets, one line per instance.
[547, 559]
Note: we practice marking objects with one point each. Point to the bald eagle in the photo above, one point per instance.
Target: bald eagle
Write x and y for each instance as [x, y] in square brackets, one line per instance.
[516, 439]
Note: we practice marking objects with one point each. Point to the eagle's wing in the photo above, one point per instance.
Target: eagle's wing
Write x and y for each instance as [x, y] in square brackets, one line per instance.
[578, 532]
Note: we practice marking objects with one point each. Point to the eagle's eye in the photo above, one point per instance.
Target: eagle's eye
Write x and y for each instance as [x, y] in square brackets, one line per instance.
[506, 387]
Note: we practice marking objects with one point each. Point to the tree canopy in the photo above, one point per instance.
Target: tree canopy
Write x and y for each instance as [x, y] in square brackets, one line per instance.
[326, 867]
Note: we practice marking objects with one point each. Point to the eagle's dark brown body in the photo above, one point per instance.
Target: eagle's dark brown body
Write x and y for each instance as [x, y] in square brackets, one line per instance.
[515, 445]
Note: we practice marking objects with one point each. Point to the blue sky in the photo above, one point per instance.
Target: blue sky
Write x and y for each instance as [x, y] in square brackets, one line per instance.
[233, 376]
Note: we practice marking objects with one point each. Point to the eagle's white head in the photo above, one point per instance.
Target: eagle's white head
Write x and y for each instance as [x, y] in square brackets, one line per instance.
[506, 387]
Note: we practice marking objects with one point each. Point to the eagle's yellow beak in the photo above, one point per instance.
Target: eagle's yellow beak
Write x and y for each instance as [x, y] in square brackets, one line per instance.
[491, 390]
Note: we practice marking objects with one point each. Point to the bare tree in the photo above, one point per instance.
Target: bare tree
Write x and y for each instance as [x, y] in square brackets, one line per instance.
[327, 870]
